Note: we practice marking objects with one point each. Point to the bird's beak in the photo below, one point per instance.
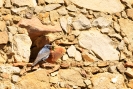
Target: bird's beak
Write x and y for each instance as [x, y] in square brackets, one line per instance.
[51, 46]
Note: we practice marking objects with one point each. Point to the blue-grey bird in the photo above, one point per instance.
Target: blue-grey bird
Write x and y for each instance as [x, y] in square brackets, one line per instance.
[42, 55]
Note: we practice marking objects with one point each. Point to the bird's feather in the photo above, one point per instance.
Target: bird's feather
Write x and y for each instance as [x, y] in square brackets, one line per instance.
[42, 55]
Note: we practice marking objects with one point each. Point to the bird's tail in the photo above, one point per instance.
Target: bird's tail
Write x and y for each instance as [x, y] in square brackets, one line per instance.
[36, 61]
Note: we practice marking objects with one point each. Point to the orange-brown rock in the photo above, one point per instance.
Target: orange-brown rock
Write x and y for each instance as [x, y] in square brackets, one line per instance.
[56, 54]
[36, 28]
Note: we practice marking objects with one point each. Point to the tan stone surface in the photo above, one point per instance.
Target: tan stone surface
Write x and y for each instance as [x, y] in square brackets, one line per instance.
[3, 37]
[111, 6]
[127, 27]
[34, 80]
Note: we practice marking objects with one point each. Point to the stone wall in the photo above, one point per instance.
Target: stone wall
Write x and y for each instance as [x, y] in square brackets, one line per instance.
[93, 42]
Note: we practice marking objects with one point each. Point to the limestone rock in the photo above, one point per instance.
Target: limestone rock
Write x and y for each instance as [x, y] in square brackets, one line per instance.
[72, 8]
[81, 22]
[121, 68]
[21, 47]
[127, 27]
[71, 51]
[112, 69]
[18, 10]
[87, 82]
[3, 57]
[102, 64]
[99, 44]
[130, 13]
[129, 72]
[123, 14]
[65, 57]
[7, 18]
[113, 81]
[22, 31]
[53, 36]
[54, 1]
[1, 3]
[64, 65]
[54, 79]
[51, 7]
[6, 84]
[71, 77]
[34, 80]
[41, 2]
[88, 57]
[54, 16]
[130, 84]
[112, 6]
[39, 9]
[8, 3]
[78, 56]
[128, 2]
[5, 11]
[31, 3]
[69, 20]
[3, 37]
[9, 69]
[62, 11]
[2, 25]
[101, 21]
[122, 56]
[105, 30]
[76, 32]
[117, 27]
[12, 29]
[121, 45]
[15, 78]
[63, 22]
[115, 35]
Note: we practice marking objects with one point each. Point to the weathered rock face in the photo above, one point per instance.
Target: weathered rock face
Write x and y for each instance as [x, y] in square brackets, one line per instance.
[102, 22]
[9, 69]
[130, 13]
[71, 51]
[99, 44]
[3, 57]
[31, 3]
[54, 1]
[1, 3]
[8, 3]
[81, 22]
[37, 29]
[4, 37]
[51, 7]
[127, 27]
[63, 22]
[2, 25]
[112, 81]
[21, 47]
[35, 80]
[112, 6]
[73, 77]
[81, 33]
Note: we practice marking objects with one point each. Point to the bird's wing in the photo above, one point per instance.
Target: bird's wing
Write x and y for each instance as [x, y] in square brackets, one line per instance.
[43, 54]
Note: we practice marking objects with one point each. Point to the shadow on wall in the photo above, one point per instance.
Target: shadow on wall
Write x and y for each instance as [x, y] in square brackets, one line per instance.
[37, 46]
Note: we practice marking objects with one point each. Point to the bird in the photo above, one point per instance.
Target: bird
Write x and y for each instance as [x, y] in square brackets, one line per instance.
[42, 55]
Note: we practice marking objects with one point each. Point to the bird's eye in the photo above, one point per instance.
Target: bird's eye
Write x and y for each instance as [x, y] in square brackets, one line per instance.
[52, 47]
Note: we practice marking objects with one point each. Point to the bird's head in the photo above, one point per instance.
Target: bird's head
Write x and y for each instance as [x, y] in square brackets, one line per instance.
[48, 46]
